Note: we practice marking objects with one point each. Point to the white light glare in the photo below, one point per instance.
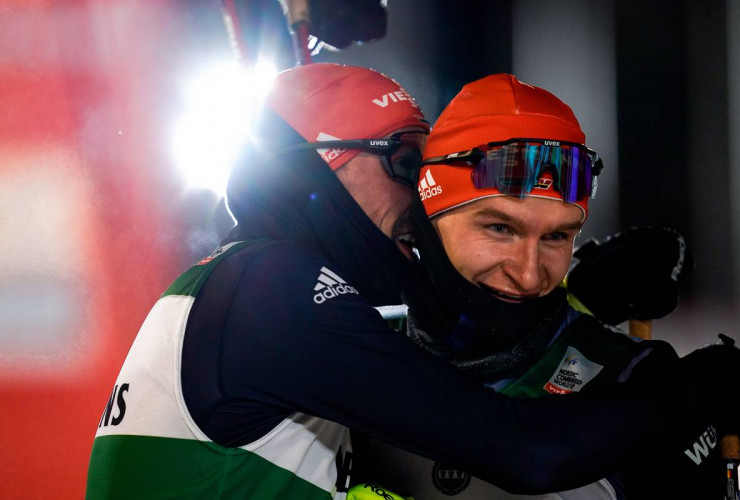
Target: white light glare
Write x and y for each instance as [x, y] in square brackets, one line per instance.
[217, 121]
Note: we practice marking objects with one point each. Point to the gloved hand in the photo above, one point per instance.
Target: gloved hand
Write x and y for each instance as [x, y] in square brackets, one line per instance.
[715, 372]
[632, 275]
[704, 386]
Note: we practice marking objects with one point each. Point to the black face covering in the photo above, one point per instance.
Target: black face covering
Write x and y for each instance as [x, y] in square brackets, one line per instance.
[455, 319]
[296, 197]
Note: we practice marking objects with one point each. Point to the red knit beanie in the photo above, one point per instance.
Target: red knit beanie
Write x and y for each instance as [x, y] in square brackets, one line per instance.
[326, 101]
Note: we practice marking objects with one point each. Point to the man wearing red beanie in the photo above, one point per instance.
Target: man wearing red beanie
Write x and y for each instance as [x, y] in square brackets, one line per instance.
[242, 382]
[249, 372]
[504, 191]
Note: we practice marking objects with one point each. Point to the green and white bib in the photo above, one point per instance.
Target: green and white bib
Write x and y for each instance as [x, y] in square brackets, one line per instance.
[148, 446]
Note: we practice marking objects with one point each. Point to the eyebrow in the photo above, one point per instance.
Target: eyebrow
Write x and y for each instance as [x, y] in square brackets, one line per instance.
[492, 212]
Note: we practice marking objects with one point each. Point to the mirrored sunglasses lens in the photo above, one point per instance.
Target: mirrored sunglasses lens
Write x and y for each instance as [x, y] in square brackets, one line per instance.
[513, 169]
[509, 169]
[577, 174]
[570, 169]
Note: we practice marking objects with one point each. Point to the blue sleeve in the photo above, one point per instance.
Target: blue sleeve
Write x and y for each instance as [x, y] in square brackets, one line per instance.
[261, 344]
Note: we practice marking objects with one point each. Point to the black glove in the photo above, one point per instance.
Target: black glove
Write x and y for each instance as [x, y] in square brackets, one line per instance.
[715, 373]
[632, 275]
[705, 387]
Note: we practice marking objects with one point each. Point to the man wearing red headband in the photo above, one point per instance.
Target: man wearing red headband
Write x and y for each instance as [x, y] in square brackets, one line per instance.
[504, 190]
[253, 366]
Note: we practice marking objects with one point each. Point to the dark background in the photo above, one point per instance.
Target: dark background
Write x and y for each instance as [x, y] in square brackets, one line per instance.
[95, 220]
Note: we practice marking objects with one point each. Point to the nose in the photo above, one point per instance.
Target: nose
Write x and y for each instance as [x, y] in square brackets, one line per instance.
[525, 269]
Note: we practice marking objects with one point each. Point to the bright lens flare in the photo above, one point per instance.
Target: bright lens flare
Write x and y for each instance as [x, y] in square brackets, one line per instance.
[218, 117]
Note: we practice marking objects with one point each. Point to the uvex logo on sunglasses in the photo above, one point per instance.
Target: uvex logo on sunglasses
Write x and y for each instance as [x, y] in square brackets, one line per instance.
[380, 142]
[552, 143]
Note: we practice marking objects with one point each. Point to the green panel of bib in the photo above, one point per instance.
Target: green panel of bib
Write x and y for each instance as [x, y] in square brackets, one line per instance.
[142, 467]
[612, 350]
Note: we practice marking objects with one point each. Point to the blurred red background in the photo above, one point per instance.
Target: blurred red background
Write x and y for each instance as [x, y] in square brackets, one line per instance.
[86, 208]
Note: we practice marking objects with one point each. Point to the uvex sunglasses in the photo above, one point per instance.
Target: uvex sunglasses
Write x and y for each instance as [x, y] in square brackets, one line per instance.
[400, 153]
[514, 167]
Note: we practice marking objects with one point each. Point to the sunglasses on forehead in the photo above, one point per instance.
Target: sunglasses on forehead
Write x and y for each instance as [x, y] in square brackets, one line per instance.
[514, 167]
[400, 154]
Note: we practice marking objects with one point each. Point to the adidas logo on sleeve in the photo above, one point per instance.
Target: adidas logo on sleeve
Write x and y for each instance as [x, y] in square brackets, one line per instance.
[329, 285]
[427, 186]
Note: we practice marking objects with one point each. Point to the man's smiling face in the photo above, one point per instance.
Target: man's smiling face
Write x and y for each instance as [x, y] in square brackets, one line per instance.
[516, 249]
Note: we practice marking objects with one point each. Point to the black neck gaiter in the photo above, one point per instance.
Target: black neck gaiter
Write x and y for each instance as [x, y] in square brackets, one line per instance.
[458, 321]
